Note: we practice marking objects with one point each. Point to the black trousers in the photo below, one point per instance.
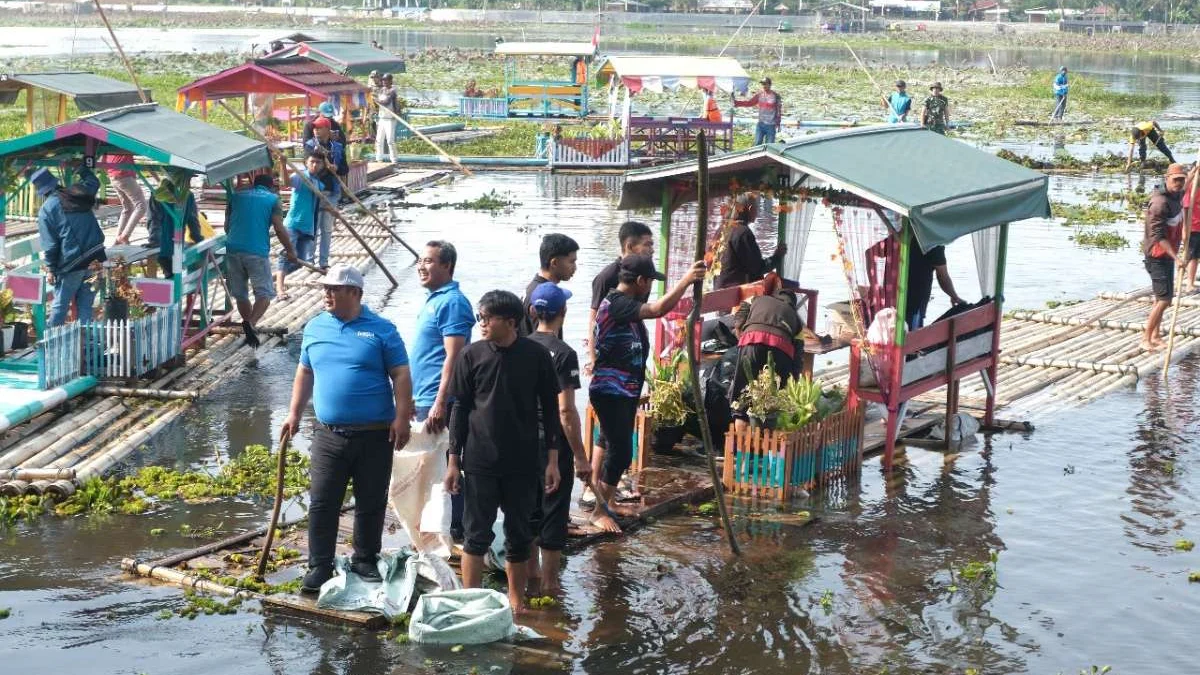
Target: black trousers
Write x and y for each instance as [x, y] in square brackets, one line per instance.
[365, 456]
[552, 516]
[616, 415]
[516, 495]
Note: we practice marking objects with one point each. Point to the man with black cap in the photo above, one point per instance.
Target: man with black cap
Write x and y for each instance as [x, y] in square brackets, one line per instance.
[770, 111]
[622, 348]
[898, 103]
[935, 116]
[71, 240]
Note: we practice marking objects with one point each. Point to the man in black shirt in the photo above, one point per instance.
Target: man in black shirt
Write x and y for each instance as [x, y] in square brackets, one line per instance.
[502, 386]
[742, 261]
[557, 255]
[921, 270]
[549, 304]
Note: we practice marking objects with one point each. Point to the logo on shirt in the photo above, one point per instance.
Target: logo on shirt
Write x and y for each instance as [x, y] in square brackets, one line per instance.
[365, 334]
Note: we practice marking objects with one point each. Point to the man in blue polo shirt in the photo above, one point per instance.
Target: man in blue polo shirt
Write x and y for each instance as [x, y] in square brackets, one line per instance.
[354, 366]
[443, 329]
[249, 216]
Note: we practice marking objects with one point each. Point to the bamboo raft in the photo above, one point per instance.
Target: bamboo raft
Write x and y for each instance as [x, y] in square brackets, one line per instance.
[1055, 359]
[59, 450]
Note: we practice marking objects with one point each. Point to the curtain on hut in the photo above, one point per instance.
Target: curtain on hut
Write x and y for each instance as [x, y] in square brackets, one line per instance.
[799, 223]
[987, 255]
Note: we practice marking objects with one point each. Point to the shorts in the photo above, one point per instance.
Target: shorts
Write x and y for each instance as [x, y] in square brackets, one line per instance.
[1193, 251]
[516, 495]
[243, 270]
[752, 361]
[552, 516]
[1162, 277]
[616, 415]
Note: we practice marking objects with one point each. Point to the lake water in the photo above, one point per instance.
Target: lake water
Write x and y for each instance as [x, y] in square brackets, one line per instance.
[1083, 515]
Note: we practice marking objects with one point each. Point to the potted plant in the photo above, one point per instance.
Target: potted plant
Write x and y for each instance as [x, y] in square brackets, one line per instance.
[761, 399]
[669, 410]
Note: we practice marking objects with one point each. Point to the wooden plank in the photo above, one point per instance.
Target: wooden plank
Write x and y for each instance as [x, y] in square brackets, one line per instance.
[300, 606]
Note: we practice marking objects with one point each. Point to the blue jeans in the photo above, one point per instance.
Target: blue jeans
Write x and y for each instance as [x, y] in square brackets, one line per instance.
[456, 501]
[764, 133]
[325, 232]
[72, 286]
[305, 245]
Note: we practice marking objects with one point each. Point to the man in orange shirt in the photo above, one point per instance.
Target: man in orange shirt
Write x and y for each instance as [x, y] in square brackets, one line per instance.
[1164, 215]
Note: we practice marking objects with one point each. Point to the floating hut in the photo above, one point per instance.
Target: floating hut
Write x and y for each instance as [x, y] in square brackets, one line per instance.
[354, 59]
[543, 95]
[881, 217]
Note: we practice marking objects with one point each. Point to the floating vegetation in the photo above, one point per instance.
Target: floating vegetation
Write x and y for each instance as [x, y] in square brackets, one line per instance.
[25, 507]
[5, 612]
[1086, 214]
[202, 604]
[491, 202]
[707, 509]
[1184, 544]
[1065, 162]
[978, 575]
[1109, 240]
[1055, 304]
[827, 601]
[543, 602]
[1194, 578]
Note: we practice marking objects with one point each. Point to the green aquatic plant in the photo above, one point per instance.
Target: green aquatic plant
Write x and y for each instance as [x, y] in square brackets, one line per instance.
[197, 604]
[543, 602]
[1194, 577]
[5, 612]
[1184, 544]
[707, 509]
[1086, 214]
[668, 382]
[827, 601]
[1108, 240]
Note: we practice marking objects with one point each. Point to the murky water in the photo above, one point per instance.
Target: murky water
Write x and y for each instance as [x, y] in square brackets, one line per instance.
[1083, 515]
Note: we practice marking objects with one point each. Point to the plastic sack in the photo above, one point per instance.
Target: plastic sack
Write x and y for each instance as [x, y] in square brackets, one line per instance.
[962, 426]
[416, 494]
[470, 616]
[406, 574]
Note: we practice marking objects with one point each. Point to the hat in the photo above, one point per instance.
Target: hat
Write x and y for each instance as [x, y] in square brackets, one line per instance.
[935, 85]
[765, 80]
[549, 299]
[342, 275]
[44, 181]
[374, 73]
[387, 76]
[1176, 170]
[642, 266]
[900, 83]
[1062, 69]
[326, 109]
[322, 123]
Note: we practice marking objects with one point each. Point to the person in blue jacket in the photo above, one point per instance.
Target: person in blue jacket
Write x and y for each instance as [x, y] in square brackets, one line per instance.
[325, 140]
[898, 104]
[301, 218]
[1060, 93]
[172, 192]
[71, 240]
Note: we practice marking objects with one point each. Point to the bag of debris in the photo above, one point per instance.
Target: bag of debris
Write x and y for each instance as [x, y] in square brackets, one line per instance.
[469, 616]
[962, 426]
[406, 575]
[416, 494]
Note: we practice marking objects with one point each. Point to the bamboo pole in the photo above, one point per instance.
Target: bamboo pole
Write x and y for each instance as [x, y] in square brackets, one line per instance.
[183, 579]
[38, 474]
[317, 191]
[74, 437]
[121, 53]
[1187, 231]
[347, 191]
[280, 470]
[693, 358]
[444, 155]
[142, 392]
[118, 451]
[73, 428]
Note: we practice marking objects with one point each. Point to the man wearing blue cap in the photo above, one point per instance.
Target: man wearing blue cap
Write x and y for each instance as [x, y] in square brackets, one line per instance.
[71, 240]
[325, 110]
[548, 308]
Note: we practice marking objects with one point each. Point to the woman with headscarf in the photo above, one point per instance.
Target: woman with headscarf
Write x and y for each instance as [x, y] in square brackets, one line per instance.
[768, 329]
[174, 193]
[742, 261]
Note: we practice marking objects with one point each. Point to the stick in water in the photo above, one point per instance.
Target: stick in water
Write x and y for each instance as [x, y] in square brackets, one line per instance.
[445, 155]
[280, 470]
[693, 319]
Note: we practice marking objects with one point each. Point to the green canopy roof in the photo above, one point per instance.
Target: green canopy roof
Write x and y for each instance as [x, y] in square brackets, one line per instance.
[945, 187]
[90, 92]
[348, 58]
[149, 130]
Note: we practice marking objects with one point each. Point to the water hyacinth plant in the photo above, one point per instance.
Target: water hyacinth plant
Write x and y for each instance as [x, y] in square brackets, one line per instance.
[668, 383]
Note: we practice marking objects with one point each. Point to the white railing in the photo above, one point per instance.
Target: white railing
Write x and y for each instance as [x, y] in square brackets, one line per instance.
[589, 152]
[130, 348]
[58, 355]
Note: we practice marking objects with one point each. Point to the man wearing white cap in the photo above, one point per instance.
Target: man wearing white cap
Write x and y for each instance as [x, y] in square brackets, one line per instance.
[354, 367]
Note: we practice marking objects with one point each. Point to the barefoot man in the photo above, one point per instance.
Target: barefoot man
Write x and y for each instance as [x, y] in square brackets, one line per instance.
[1164, 216]
[620, 369]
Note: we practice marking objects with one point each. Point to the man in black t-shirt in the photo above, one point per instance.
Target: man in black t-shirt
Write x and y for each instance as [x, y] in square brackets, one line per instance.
[921, 269]
[503, 388]
[549, 304]
[557, 255]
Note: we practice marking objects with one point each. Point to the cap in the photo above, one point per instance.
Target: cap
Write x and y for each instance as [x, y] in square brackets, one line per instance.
[326, 109]
[900, 83]
[765, 80]
[1176, 170]
[44, 181]
[387, 77]
[342, 275]
[935, 85]
[549, 299]
[641, 265]
[322, 123]
[1062, 69]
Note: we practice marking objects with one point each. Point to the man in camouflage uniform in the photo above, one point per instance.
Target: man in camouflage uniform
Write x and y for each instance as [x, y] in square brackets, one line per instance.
[936, 114]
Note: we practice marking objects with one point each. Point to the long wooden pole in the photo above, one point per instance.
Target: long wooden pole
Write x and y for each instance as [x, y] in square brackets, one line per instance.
[739, 28]
[280, 470]
[317, 191]
[379, 221]
[693, 320]
[868, 73]
[1187, 231]
[121, 53]
[437, 148]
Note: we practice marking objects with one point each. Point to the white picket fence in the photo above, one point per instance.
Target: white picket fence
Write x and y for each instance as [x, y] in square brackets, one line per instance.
[131, 348]
[587, 153]
[58, 355]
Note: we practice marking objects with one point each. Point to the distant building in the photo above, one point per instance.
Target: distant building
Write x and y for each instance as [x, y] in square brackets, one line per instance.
[726, 6]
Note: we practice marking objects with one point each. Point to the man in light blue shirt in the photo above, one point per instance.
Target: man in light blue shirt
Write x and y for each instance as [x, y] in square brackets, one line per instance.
[898, 103]
[354, 367]
[443, 329]
[250, 214]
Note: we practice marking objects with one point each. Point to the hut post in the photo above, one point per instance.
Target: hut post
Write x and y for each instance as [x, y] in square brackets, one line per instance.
[3, 225]
[29, 110]
[989, 414]
[176, 216]
[62, 109]
[664, 227]
[895, 353]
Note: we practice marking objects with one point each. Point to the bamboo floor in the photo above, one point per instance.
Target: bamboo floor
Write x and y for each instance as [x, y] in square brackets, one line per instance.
[1055, 359]
[670, 482]
[56, 451]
